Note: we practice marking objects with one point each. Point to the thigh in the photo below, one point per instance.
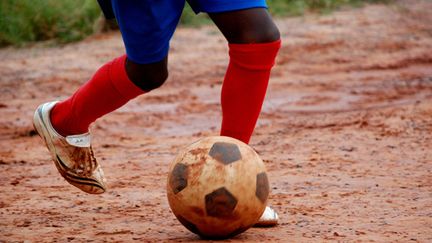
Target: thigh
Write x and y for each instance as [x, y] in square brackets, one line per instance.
[240, 21]
[253, 25]
[147, 27]
[218, 6]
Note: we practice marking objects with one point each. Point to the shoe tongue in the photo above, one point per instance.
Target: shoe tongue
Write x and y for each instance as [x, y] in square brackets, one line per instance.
[81, 140]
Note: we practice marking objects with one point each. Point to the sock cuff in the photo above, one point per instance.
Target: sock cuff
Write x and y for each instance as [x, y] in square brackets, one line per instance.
[120, 80]
[251, 47]
[254, 56]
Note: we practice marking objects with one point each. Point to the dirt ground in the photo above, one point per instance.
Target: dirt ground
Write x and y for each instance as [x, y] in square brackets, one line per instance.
[345, 133]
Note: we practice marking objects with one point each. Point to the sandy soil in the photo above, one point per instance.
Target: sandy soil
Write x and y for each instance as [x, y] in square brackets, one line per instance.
[345, 133]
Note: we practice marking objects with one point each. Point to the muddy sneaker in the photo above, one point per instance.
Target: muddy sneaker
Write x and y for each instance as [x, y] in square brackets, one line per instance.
[268, 219]
[72, 155]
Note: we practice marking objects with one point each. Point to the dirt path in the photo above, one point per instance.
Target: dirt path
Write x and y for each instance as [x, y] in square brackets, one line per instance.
[345, 133]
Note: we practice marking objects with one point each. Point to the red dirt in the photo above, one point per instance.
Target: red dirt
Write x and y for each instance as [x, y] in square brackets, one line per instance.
[345, 133]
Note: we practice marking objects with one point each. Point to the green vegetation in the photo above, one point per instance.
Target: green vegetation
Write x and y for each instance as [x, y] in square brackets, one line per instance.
[299, 7]
[38, 20]
[62, 21]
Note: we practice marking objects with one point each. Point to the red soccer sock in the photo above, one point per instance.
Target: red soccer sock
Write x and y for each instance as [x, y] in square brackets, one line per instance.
[108, 90]
[244, 87]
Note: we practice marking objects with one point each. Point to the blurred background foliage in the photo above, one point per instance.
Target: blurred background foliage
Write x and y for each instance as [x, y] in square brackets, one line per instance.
[62, 21]
[24, 21]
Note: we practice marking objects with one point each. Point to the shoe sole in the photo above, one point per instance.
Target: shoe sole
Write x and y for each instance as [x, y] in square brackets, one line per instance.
[88, 185]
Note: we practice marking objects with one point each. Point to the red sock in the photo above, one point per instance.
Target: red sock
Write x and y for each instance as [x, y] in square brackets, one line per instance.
[108, 90]
[244, 87]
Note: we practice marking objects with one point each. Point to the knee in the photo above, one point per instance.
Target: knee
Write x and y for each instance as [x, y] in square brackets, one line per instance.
[271, 34]
[147, 76]
[248, 26]
[263, 34]
[152, 80]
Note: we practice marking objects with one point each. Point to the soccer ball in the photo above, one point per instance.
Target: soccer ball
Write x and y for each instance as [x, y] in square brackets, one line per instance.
[217, 187]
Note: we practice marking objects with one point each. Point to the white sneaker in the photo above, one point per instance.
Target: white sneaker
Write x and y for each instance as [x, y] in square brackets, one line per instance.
[268, 219]
[72, 155]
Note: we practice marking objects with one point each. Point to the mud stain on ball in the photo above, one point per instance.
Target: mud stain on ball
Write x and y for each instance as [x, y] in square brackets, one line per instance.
[198, 151]
[197, 210]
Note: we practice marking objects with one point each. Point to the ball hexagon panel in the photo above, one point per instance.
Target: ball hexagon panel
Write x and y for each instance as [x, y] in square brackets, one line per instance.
[225, 153]
[262, 187]
[178, 178]
[220, 203]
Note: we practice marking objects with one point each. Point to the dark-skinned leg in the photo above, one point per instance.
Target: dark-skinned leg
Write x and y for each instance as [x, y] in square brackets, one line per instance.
[246, 26]
[147, 76]
[253, 44]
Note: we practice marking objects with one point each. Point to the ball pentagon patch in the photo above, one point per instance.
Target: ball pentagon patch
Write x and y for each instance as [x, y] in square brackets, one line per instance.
[225, 153]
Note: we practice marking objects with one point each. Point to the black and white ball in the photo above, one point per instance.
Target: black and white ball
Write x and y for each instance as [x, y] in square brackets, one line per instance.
[217, 187]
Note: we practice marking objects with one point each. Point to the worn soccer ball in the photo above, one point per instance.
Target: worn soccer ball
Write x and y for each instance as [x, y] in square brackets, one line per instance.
[217, 187]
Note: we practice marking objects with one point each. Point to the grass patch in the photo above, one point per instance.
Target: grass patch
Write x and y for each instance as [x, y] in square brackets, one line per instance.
[300, 7]
[189, 18]
[283, 8]
[24, 21]
[39, 20]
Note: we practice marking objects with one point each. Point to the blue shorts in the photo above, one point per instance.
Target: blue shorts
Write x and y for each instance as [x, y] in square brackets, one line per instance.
[148, 25]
